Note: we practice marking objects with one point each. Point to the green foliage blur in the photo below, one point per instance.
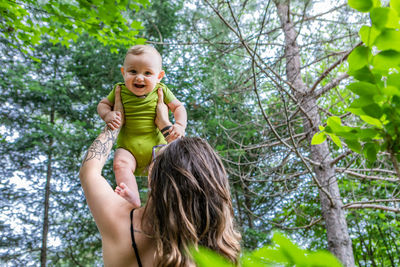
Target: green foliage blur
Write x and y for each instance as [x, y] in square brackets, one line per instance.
[375, 66]
[64, 21]
[281, 253]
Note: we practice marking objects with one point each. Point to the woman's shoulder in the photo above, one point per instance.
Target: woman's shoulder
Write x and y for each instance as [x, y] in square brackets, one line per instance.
[122, 218]
[129, 233]
[116, 219]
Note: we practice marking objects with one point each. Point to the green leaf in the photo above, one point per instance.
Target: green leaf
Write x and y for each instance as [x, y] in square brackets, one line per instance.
[369, 34]
[270, 254]
[145, 3]
[396, 101]
[395, 4]
[386, 59]
[348, 132]
[318, 138]
[393, 80]
[251, 261]
[136, 25]
[334, 123]
[323, 258]
[391, 90]
[286, 253]
[140, 41]
[358, 58]
[379, 98]
[372, 121]
[353, 145]
[361, 5]
[35, 59]
[294, 253]
[364, 74]
[335, 139]
[363, 89]
[220, 147]
[373, 110]
[356, 111]
[384, 17]
[114, 50]
[370, 152]
[368, 134]
[362, 101]
[389, 39]
[205, 257]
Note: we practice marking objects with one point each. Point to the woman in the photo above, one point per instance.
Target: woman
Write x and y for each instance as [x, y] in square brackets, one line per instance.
[188, 205]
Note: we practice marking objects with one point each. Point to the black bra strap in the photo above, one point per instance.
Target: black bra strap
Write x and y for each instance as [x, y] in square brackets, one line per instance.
[133, 241]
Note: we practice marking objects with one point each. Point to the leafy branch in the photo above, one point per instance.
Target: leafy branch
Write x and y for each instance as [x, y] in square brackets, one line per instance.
[375, 67]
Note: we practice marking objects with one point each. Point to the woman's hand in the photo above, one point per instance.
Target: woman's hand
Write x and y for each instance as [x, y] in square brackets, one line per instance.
[177, 131]
[162, 119]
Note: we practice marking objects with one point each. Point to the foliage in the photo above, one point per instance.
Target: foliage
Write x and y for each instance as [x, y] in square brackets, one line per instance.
[210, 71]
[48, 117]
[281, 253]
[62, 21]
[375, 66]
[67, 83]
[376, 242]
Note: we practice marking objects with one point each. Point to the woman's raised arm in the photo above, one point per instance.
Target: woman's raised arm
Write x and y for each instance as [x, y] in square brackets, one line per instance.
[99, 194]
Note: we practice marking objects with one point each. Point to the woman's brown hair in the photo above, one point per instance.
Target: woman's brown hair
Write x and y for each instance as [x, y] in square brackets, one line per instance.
[190, 204]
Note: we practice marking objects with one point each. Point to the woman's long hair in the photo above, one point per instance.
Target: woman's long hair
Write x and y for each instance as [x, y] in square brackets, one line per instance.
[190, 204]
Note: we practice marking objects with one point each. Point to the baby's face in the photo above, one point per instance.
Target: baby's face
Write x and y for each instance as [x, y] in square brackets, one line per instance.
[142, 73]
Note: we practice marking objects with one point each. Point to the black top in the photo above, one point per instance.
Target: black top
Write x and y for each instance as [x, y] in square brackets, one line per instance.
[133, 241]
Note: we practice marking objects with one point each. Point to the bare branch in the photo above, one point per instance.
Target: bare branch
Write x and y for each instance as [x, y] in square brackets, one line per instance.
[369, 170]
[340, 157]
[312, 223]
[158, 31]
[332, 67]
[369, 177]
[209, 43]
[320, 14]
[332, 84]
[374, 201]
[370, 206]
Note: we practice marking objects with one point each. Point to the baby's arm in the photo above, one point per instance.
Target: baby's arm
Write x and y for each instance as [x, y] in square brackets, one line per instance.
[180, 115]
[112, 118]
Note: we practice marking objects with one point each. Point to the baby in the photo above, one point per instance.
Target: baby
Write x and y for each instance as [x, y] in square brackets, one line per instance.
[142, 72]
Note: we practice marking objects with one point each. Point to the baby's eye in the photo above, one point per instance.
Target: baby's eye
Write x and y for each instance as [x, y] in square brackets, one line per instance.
[148, 73]
[133, 71]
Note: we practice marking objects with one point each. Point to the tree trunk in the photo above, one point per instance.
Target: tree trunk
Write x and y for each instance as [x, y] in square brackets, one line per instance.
[339, 242]
[43, 250]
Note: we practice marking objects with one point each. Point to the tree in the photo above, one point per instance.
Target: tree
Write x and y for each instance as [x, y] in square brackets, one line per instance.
[296, 77]
[110, 22]
[257, 84]
[48, 116]
[47, 127]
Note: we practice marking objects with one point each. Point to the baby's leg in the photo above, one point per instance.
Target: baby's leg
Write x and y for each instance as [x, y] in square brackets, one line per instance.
[124, 167]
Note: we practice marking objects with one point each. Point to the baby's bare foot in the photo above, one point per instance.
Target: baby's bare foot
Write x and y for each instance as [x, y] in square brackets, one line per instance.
[124, 191]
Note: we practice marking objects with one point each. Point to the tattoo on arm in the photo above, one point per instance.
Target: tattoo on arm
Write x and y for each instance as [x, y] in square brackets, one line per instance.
[102, 145]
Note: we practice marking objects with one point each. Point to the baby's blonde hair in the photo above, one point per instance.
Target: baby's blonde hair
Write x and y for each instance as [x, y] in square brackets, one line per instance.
[142, 49]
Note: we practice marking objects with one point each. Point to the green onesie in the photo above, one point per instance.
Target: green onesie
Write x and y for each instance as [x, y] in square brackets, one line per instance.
[139, 133]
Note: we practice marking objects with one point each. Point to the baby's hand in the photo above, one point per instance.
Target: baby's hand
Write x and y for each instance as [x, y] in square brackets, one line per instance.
[113, 119]
[176, 131]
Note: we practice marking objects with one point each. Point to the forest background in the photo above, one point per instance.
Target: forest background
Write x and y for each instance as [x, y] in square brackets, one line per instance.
[258, 78]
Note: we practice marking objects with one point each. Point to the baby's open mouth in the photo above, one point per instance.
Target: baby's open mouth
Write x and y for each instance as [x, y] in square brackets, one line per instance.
[139, 85]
